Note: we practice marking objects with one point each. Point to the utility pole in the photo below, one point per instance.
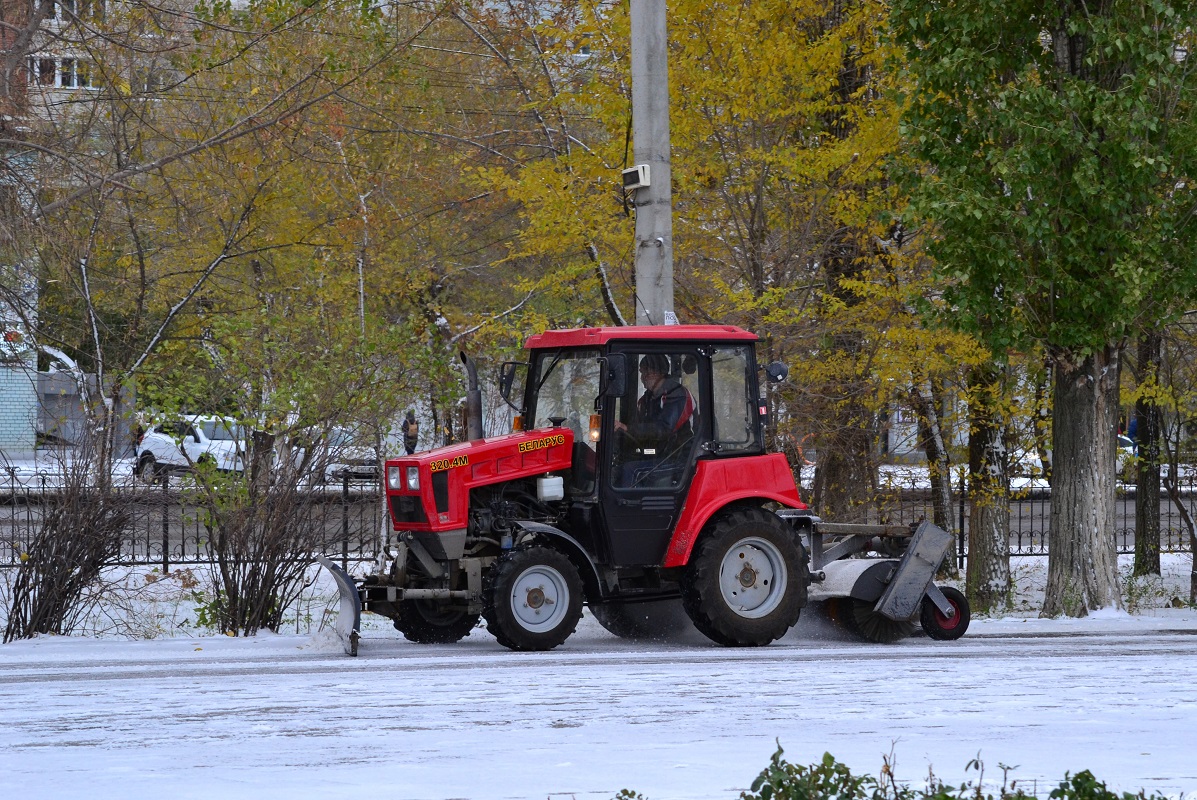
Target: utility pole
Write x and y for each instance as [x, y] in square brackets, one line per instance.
[650, 138]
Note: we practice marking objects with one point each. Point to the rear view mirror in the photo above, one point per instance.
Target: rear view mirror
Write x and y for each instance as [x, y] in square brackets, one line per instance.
[776, 372]
[614, 375]
[507, 375]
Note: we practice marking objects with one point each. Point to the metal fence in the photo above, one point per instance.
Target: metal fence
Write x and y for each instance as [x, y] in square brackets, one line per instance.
[165, 530]
[1030, 514]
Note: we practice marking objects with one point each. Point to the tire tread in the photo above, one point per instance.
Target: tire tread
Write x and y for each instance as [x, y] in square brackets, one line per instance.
[703, 599]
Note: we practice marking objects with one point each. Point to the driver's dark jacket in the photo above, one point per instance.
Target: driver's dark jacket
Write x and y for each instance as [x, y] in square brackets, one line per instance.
[663, 417]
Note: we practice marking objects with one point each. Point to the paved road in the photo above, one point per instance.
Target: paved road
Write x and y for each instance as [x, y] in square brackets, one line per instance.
[273, 718]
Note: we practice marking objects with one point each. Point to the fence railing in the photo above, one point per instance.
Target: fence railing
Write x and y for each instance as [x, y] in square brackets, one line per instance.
[1030, 515]
[165, 530]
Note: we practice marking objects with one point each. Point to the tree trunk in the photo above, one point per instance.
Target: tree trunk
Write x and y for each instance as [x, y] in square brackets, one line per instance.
[1147, 473]
[1180, 505]
[1082, 572]
[987, 578]
[1043, 421]
[261, 454]
[932, 442]
[845, 474]
[846, 470]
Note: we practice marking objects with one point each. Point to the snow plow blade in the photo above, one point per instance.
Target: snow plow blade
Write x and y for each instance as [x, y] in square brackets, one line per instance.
[349, 617]
[916, 570]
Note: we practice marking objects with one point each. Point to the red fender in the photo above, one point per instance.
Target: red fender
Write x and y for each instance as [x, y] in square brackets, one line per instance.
[718, 482]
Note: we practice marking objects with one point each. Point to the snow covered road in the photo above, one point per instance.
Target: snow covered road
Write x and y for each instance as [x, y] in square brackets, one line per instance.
[285, 717]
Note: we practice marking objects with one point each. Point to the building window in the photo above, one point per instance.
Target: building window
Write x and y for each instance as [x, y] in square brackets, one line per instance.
[147, 80]
[91, 9]
[66, 10]
[65, 73]
[45, 71]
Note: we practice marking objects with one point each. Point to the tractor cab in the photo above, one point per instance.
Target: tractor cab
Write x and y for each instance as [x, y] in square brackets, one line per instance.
[646, 405]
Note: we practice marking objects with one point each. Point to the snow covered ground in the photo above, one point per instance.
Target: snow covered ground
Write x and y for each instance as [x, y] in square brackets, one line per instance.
[289, 716]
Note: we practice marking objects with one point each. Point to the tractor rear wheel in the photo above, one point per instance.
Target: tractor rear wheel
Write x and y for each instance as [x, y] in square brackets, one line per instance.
[942, 628]
[746, 583]
[430, 622]
[534, 599]
[656, 620]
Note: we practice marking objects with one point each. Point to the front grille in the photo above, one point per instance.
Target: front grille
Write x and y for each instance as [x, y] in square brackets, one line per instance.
[440, 490]
[407, 508]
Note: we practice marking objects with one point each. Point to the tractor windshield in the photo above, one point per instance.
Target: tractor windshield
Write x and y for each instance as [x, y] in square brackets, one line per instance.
[567, 385]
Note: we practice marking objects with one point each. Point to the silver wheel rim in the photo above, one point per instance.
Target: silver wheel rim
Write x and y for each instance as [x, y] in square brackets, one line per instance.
[752, 577]
[540, 599]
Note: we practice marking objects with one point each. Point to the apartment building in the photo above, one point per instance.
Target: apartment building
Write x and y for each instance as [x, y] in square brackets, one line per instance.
[41, 64]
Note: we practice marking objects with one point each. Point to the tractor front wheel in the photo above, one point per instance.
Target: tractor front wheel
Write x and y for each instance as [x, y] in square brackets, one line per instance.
[430, 622]
[746, 583]
[534, 600]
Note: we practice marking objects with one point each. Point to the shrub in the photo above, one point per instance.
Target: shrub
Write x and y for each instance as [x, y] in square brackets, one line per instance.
[831, 780]
[79, 537]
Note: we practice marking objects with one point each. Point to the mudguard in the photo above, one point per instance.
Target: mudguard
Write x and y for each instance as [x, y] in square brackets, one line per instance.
[590, 578]
[349, 616]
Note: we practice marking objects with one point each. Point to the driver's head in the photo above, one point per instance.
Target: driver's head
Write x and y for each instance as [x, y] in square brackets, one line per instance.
[653, 366]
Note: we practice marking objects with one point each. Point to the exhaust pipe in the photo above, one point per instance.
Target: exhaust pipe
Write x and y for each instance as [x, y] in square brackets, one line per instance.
[473, 400]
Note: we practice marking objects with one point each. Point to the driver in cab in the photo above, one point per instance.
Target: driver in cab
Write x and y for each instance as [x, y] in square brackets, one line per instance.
[663, 412]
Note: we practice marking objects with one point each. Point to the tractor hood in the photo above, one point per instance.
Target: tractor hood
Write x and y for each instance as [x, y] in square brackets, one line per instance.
[429, 491]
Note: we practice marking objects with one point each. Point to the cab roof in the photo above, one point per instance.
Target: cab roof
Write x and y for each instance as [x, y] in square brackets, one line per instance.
[590, 337]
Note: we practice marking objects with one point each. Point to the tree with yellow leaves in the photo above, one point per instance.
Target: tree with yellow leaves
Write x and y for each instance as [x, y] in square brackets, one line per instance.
[783, 132]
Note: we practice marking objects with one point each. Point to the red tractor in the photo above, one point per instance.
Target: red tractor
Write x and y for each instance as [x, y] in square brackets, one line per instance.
[637, 473]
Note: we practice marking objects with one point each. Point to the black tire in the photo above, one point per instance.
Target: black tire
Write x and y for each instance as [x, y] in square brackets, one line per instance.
[746, 582]
[430, 622]
[941, 628]
[658, 620]
[533, 599]
[147, 469]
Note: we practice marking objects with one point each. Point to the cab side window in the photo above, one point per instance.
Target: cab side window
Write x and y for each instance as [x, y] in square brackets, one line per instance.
[733, 421]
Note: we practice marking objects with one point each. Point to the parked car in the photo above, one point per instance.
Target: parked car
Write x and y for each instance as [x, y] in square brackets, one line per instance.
[181, 444]
[331, 455]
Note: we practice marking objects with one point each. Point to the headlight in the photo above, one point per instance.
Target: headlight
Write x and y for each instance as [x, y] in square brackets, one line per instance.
[395, 477]
[413, 479]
